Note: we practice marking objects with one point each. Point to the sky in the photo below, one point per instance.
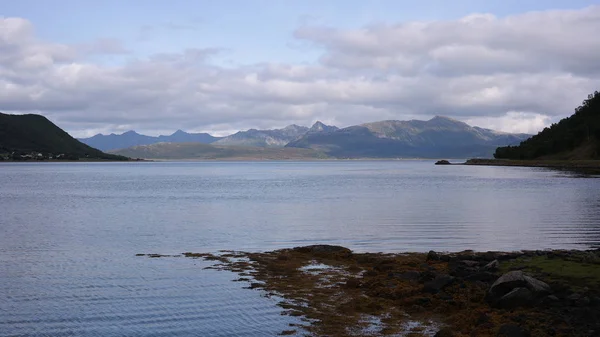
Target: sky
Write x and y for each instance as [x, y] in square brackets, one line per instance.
[221, 66]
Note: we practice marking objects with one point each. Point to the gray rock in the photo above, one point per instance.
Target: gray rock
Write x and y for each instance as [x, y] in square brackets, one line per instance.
[492, 266]
[550, 300]
[537, 286]
[437, 284]
[470, 263]
[517, 279]
[510, 330]
[518, 297]
[433, 256]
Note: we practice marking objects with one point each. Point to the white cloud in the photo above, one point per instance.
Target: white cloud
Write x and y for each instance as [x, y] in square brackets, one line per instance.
[481, 69]
[517, 122]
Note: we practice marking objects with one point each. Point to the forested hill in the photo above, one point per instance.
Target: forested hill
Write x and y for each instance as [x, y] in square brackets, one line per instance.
[575, 137]
[35, 137]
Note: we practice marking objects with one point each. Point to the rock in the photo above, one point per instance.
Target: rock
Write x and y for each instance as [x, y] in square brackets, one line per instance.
[444, 332]
[433, 256]
[510, 330]
[443, 162]
[536, 286]
[518, 297]
[439, 283]
[574, 297]
[550, 300]
[492, 266]
[322, 249]
[470, 263]
[517, 279]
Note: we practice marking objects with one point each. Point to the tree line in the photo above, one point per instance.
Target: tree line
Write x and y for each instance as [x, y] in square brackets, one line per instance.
[583, 127]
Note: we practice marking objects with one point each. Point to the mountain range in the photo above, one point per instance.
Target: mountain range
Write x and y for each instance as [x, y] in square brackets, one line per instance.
[132, 138]
[434, 138]
[264, 138]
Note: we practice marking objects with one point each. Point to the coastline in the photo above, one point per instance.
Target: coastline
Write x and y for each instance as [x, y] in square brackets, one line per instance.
[582, 166]
[337, 292]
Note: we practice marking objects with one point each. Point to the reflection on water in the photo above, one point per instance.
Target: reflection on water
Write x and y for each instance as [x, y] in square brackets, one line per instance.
[69, 233]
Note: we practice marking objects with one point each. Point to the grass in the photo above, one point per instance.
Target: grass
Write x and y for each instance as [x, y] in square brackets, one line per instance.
[577, 273]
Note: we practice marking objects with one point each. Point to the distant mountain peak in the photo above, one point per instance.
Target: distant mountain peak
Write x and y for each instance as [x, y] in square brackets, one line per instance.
[442, 118]
[179, 132]
[320, 127]
[443, 121]
[130, 132]
[294, 127]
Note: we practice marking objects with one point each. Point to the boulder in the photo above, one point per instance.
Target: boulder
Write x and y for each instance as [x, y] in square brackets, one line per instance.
[438, 283]
[470, 263]
[518, 297]
[492, 266]
[513, 280]
[463, 268]
[518, 279]
[433, 256]
[323, 249]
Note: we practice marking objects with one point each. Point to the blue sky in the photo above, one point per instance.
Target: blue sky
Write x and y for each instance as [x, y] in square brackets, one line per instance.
[250, 31]
[281, 62]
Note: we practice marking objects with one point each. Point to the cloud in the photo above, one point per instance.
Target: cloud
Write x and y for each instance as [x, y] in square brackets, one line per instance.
[517, 122]
[516, 73]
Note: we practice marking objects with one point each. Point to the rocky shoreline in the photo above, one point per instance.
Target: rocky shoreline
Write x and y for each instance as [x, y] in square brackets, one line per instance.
[337, 292]
[591, 167]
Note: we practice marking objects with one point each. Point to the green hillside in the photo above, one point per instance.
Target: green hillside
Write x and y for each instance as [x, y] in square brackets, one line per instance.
[25, 135]
[573, 138]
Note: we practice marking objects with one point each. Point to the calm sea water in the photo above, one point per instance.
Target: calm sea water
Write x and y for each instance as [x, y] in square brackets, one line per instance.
[69, 233]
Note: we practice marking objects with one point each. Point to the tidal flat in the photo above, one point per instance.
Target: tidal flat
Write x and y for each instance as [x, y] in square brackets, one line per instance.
[337, 292]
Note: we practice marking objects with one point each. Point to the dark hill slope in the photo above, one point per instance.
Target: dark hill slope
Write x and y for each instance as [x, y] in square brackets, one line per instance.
[574, 137]
[35, 133]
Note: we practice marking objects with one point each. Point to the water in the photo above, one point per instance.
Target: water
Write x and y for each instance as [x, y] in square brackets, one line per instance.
[69, 233]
